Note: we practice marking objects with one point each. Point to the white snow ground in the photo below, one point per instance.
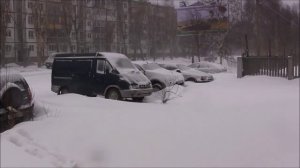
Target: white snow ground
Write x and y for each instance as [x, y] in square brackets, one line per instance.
[230, 122]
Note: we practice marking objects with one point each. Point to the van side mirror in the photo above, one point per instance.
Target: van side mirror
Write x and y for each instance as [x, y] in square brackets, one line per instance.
[114, 71]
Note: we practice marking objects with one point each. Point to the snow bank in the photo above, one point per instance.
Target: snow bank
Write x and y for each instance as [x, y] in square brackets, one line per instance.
[230, 122]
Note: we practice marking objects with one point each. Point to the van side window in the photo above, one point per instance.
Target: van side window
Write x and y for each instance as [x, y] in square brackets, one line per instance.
[108, 67]
[63, 68]
[82, 67]
[100, 66]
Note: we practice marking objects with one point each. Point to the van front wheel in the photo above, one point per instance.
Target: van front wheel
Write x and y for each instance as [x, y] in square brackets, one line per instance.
[63, 91]
[113, 94]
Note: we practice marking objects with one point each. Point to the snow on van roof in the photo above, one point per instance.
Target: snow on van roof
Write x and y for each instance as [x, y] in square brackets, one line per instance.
[119, 61]
[112, 55]
[103, 54]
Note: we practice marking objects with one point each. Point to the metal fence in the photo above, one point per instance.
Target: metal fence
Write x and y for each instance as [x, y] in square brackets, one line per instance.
[287, 67]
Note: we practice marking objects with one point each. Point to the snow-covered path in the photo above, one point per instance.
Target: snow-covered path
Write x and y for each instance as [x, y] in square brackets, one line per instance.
[253, 121]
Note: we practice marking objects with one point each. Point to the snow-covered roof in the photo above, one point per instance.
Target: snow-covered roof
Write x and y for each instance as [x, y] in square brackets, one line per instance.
[112, 55]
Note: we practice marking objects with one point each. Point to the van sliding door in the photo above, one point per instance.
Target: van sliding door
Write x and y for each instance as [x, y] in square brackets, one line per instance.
[82, 70]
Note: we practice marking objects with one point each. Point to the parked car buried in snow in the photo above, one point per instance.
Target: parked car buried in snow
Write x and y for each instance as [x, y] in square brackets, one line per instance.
[170, 67]
[208, 67]
[160, 77]
[16, 101]
[109, 74]
[49, 61]
[191, 74]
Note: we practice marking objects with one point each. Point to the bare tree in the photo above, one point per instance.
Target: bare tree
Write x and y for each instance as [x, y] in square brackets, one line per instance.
[110, 25]
[4, 16]
[67, 21]
[122, 27]
[78, 19]
[138, 13]
[40, 26]
[272, 30]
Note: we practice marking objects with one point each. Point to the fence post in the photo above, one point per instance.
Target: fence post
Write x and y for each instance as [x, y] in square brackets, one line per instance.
[240, 67]
[290, 68]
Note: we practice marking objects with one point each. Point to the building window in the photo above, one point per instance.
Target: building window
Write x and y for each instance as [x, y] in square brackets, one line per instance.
[8, 48]
[31, 48]
[30, 34]
[8, 19]
[125, 5]
[29, 5]
[41, 6]
[89, 23]
[52, 47]
[89, 35]
[73, 35]
[30, 20]
[64, 48]
[8, 33]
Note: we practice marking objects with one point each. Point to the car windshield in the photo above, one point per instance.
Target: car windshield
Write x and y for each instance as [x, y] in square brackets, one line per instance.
[151, 66]
[169, 67]
[183, 67]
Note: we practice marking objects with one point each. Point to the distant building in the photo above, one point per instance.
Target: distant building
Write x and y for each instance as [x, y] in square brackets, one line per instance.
[94, 25]
[38, 28]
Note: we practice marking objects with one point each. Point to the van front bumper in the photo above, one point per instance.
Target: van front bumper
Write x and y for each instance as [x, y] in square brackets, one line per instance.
[136, 93]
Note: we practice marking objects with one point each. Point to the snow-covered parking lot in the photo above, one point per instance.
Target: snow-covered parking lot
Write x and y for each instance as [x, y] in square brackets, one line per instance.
[230, 122]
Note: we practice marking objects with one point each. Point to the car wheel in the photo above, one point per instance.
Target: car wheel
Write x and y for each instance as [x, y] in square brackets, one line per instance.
[157, 87]
[13, 98]
[138, 99]
[113, 94]
[63, 91]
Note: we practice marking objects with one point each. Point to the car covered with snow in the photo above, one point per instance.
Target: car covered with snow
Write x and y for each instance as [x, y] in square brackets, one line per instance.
[170, 67]
[191, 74]
[109, 74]
[208, 67]
[49, 61]
[16, 101]
[160, 77]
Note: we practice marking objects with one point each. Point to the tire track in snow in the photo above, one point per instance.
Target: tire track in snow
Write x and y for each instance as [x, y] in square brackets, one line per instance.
[22, 139]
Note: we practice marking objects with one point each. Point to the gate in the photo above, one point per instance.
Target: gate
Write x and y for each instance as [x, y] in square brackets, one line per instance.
[287, 67]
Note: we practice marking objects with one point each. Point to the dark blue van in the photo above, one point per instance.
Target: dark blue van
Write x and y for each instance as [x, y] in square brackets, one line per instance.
[109, 74]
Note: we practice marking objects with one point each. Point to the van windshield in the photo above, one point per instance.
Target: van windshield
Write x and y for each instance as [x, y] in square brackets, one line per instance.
[122, 64]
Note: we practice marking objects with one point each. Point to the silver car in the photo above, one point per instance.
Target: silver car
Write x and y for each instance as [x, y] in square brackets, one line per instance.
[208, 67]
[191, 74]
[160, 77]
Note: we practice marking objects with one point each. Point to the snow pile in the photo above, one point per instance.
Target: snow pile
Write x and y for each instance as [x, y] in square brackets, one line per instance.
[230, 122]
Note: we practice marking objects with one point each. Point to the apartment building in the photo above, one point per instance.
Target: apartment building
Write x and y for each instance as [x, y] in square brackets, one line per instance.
[37, 28]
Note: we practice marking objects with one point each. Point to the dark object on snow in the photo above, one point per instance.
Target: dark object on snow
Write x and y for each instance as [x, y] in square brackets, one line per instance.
[16, 102]
[109, 74]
